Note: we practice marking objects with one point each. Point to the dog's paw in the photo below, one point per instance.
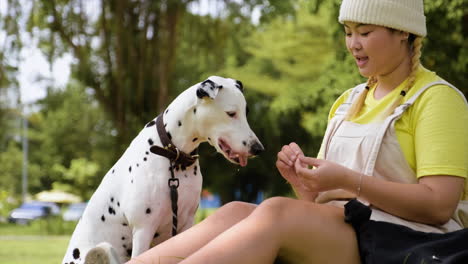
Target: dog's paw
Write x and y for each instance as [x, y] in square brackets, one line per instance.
[103, 253]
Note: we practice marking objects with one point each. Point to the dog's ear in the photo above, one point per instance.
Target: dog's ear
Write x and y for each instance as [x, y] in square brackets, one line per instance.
[208, 88]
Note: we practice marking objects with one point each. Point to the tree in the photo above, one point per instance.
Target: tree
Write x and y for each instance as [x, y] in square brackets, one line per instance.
[70, 126]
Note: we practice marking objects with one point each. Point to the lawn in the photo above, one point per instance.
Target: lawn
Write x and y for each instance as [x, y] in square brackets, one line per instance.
[43, 241]
[32, 249]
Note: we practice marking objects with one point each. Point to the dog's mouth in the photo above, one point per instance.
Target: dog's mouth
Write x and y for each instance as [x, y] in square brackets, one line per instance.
[231, 155]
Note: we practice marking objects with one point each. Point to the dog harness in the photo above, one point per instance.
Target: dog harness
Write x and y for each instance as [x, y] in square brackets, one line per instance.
[177, 159]
[373, 149]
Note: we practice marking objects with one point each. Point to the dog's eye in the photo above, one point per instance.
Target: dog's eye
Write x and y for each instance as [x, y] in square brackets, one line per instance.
[231, 114]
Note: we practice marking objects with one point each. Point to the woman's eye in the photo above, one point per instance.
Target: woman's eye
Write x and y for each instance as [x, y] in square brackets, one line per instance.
[365, 34]
[231, 114]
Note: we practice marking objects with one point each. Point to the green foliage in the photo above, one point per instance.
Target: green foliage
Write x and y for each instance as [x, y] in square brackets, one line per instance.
[69, 137]
[80, 175]
[10, 162]
[445, 49]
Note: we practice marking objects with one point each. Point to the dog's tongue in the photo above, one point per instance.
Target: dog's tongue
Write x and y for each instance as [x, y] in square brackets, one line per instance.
[243, 160]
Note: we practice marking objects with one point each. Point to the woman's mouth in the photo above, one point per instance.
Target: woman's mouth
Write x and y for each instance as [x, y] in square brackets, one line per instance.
[361, 61]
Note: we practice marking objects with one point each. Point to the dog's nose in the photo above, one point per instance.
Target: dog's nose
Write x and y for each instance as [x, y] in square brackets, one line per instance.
[256, 148]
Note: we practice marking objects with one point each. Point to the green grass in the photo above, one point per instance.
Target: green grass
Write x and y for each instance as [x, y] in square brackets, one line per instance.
[44, 241]
[32, 249]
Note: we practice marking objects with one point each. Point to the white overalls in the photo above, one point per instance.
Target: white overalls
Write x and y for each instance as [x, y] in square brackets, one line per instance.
[373, 150]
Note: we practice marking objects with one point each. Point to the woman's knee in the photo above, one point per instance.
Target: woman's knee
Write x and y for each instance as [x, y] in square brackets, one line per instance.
[233, 211]
[275, 208]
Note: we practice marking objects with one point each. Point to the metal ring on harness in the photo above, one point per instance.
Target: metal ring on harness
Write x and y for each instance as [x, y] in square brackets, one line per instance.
[173, 183]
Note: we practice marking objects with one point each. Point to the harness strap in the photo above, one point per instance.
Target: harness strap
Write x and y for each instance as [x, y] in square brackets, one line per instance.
[177, 159]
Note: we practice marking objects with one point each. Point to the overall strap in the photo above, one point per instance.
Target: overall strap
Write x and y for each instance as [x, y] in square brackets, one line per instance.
[338, 119]
[401, 108]
[343, 108]
[397, 113]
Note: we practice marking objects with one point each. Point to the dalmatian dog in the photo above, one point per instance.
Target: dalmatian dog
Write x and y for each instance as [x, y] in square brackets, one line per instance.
[132, 208]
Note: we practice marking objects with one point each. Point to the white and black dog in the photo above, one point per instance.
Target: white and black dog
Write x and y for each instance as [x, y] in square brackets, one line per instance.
[134, 206]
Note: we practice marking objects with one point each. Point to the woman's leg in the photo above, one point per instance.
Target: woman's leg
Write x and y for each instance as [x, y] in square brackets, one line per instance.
[191, 240]
[298, 231]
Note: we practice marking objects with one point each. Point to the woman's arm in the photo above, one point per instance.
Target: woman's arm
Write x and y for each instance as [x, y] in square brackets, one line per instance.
[431, 201]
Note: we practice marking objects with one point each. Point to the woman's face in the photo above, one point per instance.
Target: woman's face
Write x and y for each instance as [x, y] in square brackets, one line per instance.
[378, 51]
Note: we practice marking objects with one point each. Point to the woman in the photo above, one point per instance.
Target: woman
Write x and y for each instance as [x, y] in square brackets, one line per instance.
[398, 143]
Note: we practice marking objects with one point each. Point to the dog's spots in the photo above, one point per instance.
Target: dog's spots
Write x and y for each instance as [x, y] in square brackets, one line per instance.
[103, 218]
[123, 238]
[124, 224]
[179, 123]
[112, 199]
[195, 110]
[244, 143]
[165, 125]
[111, 210]
[131, 181]
[220, 87]
[167, 110]
[130, 169]
[138, 165]
[113, 170]
[150, 142]
[76, 253]
[152, 123]
[201, 93]
[146, 152]
[156, 235]
[144, 159]
[129, 252]
[239, 85]
[195, 170]
[148, 210]
[185, 175]
[118, 204]
[194, 139]
[124, 246]
[169, 135]
[209, 139]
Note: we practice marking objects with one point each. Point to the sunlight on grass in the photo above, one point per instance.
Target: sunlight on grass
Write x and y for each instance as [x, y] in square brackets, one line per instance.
[32, 249]
[37, 244]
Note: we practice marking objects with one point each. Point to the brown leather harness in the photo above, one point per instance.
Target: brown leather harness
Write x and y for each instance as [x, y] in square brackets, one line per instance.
[177, 159]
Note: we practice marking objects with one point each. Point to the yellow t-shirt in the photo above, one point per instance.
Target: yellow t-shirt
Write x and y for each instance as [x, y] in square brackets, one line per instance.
[433, 132]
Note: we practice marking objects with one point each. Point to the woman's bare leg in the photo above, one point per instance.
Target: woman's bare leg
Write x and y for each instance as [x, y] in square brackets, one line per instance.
[191, 240]
[298, 231]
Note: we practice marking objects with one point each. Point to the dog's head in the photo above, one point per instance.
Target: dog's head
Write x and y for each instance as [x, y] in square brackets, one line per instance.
[221, 114]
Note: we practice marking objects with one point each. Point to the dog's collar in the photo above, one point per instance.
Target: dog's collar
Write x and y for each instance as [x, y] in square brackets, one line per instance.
[179, 158]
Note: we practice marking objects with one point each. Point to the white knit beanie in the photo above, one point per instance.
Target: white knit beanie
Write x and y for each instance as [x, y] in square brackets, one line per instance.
[405, 15]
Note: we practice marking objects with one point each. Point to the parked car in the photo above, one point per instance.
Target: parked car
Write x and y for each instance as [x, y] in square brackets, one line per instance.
[29, 211]
[74, 212]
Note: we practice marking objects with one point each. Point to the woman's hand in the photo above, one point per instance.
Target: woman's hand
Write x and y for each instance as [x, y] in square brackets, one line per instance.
[286, 166]
[325, 176]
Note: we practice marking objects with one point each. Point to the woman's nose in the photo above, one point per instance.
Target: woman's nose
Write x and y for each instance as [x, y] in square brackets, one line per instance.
[354, 43]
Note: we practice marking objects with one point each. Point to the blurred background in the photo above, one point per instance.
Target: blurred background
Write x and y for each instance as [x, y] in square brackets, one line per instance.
[80, 78]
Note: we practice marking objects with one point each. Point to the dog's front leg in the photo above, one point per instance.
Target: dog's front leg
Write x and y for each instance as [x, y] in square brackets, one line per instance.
[141, 240]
